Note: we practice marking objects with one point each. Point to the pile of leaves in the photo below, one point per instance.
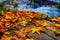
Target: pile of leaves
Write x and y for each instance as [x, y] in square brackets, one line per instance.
[15, 25]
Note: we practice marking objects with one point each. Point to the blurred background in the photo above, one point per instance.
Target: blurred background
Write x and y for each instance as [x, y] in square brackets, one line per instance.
[50, 7]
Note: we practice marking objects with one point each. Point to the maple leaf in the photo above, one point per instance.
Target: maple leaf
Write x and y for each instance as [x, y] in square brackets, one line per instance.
[7, 32]
[6, 38]
[44, 24]
[23, 23]
[54, 29]
[58, 32]
[29, 39]
[58, 18]
[57, 25]
[36, 30]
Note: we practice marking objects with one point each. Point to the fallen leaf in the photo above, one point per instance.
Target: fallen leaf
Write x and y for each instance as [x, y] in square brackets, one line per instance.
[6, 38]
[57, 25]
[36, 30]
[29, 39]
[23, 23]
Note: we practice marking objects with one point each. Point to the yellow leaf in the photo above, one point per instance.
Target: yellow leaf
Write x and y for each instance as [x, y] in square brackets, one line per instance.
[54, 30]
[7, 32]
[45, 24]
[58, 18]
[29, 39]
[58, 25]
[36, 30]
[57, 32]
[23, 23]
[6, 38]
[30, 19]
